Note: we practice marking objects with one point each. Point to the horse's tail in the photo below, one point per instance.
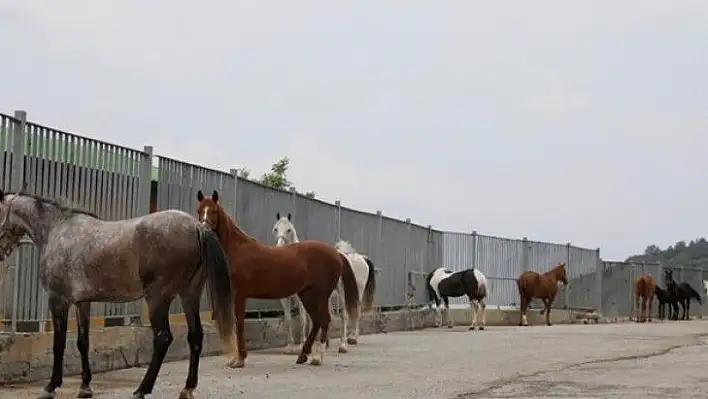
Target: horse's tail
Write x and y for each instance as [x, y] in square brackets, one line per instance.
[695, 295]
[432, 296]
[351, 291]
[370, 287]
[214, 259]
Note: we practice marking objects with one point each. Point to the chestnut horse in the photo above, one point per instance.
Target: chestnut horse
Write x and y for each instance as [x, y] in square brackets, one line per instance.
[544, 286]
[644, 289]
[309, 268]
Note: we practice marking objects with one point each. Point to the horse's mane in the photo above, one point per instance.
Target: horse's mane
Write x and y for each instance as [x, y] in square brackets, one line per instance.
[345, 247]
[40, 203]
[555, 268]
[232, 223]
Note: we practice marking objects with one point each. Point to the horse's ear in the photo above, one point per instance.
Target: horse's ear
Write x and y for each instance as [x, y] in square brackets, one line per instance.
[200, 196]
[277, 216]
[215, 196]
[289, 216]
[2, 195]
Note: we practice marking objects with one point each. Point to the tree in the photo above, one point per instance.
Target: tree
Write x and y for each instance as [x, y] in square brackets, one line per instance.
[277, 177]
[244, 173]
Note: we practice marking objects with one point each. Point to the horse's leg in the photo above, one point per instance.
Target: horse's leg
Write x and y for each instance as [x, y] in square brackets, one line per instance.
[450, 321]
[83, 315]
[523, 321]
[483, 307]
[195, 339]
[239, 360]
[637, 309]
[308, 299]
[318, 357]
[159, 309]
[59, 309]
[303, 323]
[548, 303]
[288, 321]
[473, 312]
[343, 316]
[686, 307]
[438, 316]
[356, 325]
[643, 314]
[651, 299]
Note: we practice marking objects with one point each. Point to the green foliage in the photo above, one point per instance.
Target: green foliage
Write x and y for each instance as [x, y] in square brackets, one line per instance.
[693, 252]
[276, 177]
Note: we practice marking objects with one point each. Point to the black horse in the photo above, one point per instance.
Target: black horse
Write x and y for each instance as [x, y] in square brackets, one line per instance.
[683, 293]
[666, 298]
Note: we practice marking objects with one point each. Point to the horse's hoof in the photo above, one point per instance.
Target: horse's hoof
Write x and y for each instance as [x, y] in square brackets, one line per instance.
[449, 326]
[236, 363]
[481, 328]
[138, 395]
[315, 361]
[85, 393]
[186, 394]
[352, 341]
[471, 328]
[301, 359]
[343, 349]
[47, 395]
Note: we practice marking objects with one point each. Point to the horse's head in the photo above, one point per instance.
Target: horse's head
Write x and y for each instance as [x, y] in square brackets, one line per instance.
[208, 209]
[284, 230]
[344, 246]
[705, 288]
[669, 278]
[12, 226]
[560, 273]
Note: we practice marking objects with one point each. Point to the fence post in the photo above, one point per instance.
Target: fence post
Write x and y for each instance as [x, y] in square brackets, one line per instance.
[568, 288]
[408, 261]
[599, 268]
[234, 173]
[145, 181]
[338, 204]
[16, 183]
[524, 255]
[474, 248]
[293, 199]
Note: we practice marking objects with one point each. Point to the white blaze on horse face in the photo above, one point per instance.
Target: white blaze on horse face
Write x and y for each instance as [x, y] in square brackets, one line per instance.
[205, 212]
[705, 288]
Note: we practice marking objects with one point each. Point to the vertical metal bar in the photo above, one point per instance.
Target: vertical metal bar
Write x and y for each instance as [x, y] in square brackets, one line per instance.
[338, 204]
[234, 176]
[16, 182]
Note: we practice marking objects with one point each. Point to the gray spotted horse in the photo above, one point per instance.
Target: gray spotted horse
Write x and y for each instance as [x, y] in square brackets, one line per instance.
[84, 259]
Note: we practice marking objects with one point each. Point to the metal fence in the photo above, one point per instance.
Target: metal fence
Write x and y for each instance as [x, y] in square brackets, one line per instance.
[115, 182]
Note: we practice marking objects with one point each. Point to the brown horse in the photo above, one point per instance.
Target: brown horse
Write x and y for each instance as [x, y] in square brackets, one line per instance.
[309, 268]
[644, 288]
[540, 286]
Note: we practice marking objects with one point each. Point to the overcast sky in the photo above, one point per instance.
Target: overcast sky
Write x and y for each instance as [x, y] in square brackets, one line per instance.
[558, 120]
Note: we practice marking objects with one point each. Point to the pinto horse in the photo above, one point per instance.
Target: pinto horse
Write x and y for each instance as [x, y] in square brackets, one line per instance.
[544, 286]
[84, 259]
[644, 289]
[310, 269]
[365, 275]
[443, 284]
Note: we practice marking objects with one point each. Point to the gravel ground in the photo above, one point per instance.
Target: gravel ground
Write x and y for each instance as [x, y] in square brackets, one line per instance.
[664, 359]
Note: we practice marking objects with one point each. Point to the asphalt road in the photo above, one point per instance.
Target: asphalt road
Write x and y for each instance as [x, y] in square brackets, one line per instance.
[663, 360]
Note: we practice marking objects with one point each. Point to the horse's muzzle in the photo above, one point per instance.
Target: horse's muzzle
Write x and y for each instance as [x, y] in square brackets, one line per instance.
[8, 242]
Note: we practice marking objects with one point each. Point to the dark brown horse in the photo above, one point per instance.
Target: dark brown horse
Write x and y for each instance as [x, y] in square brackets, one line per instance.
[544, 286]
[309, 268]
[644, 289]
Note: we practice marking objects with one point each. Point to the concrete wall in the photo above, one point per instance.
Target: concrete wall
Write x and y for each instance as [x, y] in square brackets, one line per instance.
[28, 357]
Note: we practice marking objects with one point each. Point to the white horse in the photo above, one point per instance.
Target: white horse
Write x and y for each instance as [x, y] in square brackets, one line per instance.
[285, 233]
[365, 276]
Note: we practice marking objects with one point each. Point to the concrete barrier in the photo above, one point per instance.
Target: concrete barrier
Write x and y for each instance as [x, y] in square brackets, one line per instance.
[26, 357]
